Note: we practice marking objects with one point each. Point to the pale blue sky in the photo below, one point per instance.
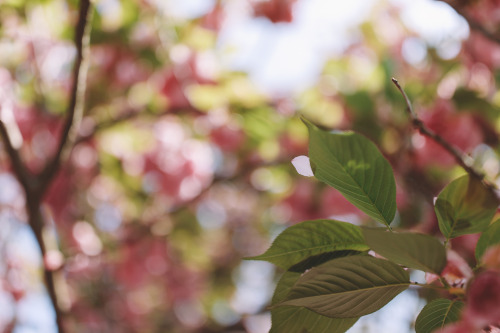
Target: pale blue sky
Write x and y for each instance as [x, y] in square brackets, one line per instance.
[288, 57]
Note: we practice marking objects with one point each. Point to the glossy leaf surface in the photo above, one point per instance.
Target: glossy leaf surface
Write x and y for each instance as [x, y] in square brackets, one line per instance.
[490, 237]
[348, 287]
[412, 250]
[354, 166]
[465, 206]
[309, 238]
[436, 314]
[294, 319]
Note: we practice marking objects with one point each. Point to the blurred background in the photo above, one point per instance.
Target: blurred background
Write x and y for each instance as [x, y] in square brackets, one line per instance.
[192, 116]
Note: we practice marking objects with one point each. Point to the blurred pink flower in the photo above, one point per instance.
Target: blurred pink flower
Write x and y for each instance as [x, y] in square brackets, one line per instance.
[460, 327]
[483, 299]
[457, 271]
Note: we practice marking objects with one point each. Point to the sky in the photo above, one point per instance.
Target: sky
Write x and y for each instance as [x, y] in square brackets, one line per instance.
[288, 57]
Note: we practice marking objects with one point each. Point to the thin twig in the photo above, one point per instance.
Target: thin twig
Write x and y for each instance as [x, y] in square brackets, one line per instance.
[409, 107]
[461, 158]
[444, 282]
[76, 104]
[431, 286]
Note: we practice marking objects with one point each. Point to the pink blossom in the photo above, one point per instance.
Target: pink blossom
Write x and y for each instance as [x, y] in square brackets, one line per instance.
[457, 272]
[483, 299]
[460, 327]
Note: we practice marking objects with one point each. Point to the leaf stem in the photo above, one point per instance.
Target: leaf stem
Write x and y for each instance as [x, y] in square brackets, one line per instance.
[430, 286]
[444, 282]
[426, 285]
[446, 242]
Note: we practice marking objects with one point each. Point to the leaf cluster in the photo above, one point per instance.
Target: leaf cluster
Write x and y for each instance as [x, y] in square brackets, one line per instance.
[332, 277]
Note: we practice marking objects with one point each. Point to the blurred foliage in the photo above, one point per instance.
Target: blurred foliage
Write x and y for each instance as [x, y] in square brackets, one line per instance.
[183, 164]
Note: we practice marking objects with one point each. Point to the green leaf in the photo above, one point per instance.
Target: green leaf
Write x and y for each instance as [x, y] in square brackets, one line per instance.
[354, 166]
[490, 237]
[412, 250]
[309, 238]
[348, 287]
[465, 206]
[291, 319]
[436, 314]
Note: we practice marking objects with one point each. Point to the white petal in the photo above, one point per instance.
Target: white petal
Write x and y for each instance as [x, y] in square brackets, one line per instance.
[303, 166]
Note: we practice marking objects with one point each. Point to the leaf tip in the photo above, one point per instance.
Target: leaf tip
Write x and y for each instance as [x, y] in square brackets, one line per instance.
[309, 124]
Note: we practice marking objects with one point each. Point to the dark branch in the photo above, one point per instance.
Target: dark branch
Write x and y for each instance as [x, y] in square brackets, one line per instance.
[76, 104]
[18, 166]
[461, 158]
[409, 107]
[36, 185]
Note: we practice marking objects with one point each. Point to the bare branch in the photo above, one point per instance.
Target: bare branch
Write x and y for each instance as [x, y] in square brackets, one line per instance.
[76, 104]
[11, 136]
[461, 158]
[409, 107]
[35, 185]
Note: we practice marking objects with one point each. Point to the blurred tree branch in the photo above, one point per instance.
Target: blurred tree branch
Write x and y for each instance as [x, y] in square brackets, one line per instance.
[35, 185]
[461, 158]
[76, 104]
[8, 131]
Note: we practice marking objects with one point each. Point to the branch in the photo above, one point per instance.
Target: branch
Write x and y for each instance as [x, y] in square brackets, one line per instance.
[36, 185]
[461, 158]
[76, 104]
[12, 139]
